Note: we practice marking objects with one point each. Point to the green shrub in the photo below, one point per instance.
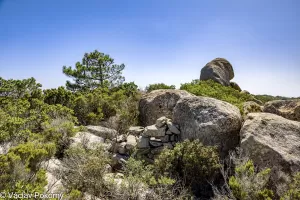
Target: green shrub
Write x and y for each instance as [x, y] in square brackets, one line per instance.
[247, 184]
[190, 161]
[84, 170]
[140, 177]
[215, 90]
[158, 86]
[20, 167]
[293, 192]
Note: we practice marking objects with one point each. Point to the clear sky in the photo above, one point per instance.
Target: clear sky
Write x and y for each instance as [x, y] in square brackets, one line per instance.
[165, 41]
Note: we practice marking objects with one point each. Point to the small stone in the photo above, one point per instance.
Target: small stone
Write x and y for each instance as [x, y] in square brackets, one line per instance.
[155, 142]
[160, 122]
[121, 148]
[121, 138]
[165, 139]
[131, 142]
[143, 142]
[136, 130]
[173, 128]
[169, 132]
[153, 131]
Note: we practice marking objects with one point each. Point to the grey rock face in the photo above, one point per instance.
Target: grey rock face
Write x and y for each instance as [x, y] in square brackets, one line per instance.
[103, 132]
[159, 103]
[289, 109]
[143, 142]
[219, 70]
[272, 141]
[212, 121]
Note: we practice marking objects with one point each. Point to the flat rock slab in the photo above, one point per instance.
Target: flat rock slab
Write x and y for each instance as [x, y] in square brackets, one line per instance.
[103, 132]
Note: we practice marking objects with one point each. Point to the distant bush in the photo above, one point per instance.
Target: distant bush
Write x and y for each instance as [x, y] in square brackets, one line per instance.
[59, 96]
[215, 90]
[158, 86]
[191, 162]
[265, 98]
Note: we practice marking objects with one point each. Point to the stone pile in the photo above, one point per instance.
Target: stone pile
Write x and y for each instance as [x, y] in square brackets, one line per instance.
[163, 134]
[149, 141]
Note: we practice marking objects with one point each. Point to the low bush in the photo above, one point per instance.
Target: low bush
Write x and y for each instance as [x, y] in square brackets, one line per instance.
[215, 90]
[293, 192]
[196, 165]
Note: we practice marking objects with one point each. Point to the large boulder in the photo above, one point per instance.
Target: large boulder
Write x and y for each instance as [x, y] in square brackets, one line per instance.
[272, 141]
[212, 121]
[159, 103]
[289, 109]
[86, 139]
[219, 70]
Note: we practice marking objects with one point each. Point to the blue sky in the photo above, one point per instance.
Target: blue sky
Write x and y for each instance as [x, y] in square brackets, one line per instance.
[165, 41]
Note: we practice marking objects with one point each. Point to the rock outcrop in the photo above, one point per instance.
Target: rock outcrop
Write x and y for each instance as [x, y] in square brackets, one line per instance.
[272, 141]
[289, 109]
[212, 121]
[159, 103]
[219, 70]
[235, 86]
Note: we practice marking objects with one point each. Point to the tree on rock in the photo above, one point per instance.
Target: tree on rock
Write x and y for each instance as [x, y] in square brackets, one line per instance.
[96, 70]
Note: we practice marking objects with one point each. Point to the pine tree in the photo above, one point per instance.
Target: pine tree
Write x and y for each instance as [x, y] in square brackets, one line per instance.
[96, 70]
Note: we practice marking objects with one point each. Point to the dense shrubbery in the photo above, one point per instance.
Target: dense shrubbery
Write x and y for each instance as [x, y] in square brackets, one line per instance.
[158, 86]
[215, 90]
[191, 162]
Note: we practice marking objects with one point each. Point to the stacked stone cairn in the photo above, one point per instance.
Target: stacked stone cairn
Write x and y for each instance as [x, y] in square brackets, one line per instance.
[148, 141]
